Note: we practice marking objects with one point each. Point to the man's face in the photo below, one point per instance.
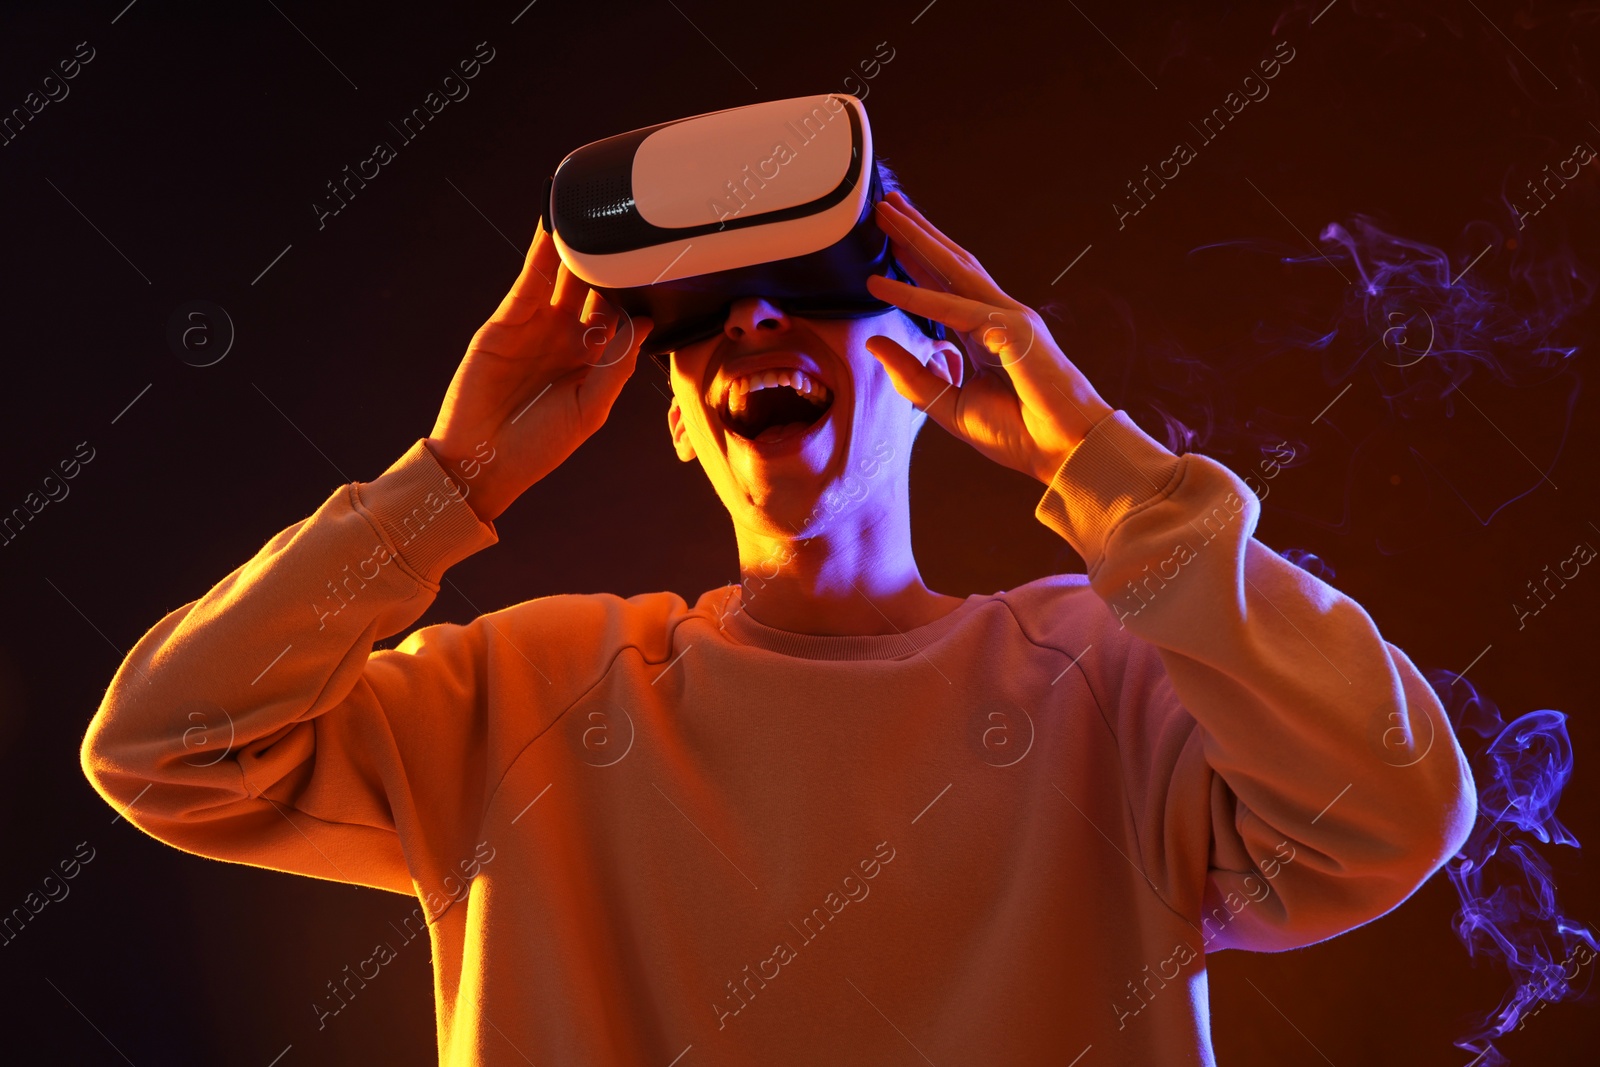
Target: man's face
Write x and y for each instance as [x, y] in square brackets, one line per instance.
[785, 459]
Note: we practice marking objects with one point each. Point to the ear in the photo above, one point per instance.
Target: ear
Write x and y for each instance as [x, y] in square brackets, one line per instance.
[679, 431]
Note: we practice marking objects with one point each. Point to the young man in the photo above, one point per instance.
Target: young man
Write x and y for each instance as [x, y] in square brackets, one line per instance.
[827, 815]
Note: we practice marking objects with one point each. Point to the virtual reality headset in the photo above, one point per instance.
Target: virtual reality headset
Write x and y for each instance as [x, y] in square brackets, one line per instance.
[677, 221]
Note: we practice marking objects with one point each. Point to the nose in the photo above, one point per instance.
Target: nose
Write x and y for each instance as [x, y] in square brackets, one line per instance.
[753, 316]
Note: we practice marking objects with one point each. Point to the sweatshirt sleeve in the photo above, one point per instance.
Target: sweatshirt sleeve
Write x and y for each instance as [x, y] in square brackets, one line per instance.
[1291, 774]
[256, 724]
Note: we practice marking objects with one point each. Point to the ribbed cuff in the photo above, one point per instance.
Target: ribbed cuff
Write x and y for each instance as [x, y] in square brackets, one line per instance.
[423, 515]
[1116, 468]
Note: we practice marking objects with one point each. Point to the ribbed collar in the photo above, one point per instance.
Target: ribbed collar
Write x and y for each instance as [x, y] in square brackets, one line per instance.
[745, 630]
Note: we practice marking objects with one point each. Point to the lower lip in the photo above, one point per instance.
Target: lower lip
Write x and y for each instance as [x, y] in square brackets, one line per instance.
[789, 441]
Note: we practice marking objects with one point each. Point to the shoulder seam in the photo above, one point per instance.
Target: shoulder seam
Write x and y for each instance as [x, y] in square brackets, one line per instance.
[558, 716]
[1127, 802]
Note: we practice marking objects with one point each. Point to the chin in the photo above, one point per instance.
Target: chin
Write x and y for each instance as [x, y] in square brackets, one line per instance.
[782, 512]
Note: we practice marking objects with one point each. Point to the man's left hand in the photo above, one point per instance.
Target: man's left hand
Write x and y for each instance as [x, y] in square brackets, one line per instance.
[1026, 406]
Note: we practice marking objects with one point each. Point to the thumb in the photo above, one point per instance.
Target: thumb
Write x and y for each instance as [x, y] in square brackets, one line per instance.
[911, 379]
[614, 365]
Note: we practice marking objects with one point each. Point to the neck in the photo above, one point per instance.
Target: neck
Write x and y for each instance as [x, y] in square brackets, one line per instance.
[855, 575]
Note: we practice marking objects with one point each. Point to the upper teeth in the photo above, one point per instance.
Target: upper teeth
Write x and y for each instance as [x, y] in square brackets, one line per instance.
[740, 388]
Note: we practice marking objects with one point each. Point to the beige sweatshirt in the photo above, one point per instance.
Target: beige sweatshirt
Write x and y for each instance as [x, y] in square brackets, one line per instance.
[649, 832]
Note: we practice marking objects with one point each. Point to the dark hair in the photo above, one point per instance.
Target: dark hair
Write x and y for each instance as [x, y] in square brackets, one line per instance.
[889, 179]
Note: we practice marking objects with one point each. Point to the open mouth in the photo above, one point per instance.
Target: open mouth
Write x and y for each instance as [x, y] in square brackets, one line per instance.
[773, 404]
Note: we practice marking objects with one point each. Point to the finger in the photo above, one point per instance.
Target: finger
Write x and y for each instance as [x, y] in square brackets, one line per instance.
[570, 293]
[898, 201]
[597, 308]
[910, 229]
[1004, 336]
[607, 338]
[907, 252]
[925, 389]
[601, 387]
[532, 288]
[1007, 337]
[957, 269]
[954, 310]
[918, 271]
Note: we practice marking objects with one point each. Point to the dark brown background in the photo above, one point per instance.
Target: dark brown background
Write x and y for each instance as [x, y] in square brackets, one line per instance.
[197, 140]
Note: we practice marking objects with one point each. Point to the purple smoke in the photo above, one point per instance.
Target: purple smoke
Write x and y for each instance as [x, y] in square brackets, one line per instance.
[1310, 562]
[1432, 344]
[1509, 912]
[1427, 336]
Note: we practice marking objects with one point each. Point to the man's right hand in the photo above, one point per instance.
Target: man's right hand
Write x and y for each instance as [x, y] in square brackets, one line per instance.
[539, 377]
